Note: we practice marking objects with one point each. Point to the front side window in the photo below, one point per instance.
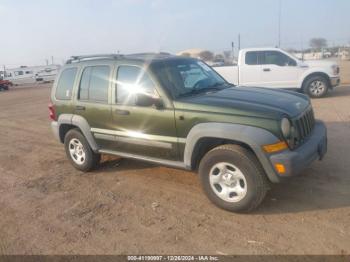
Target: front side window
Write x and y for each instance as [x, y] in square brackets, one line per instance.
[94, 84]
[132, 80]
[187, 77]
[65, 84]
[277, 58]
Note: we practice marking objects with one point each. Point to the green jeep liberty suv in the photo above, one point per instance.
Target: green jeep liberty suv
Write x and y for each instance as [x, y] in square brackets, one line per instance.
[179, 112]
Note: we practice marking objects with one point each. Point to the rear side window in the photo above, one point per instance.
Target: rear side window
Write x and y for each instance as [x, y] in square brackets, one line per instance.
[94, 84]
[251, 58]
[19, 73]
[65, 84]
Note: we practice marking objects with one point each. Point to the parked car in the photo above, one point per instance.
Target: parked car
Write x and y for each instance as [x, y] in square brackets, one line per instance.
[179, 112]
[275, 68]
[4, 84]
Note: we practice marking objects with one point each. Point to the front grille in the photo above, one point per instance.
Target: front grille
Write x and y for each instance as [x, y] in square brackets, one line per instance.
[303, 127]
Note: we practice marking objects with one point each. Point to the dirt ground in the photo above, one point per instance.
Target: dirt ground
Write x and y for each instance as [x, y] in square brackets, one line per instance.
[129, 207]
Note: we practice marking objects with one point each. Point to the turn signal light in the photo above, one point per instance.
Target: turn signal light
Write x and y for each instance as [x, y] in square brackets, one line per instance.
[280, 168]
[275, 147]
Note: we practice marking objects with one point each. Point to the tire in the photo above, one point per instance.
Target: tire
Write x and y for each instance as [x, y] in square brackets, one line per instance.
[79, 151]
[247, 175]
[316, 86]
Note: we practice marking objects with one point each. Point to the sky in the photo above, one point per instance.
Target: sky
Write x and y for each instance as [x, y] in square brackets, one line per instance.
[35, 30]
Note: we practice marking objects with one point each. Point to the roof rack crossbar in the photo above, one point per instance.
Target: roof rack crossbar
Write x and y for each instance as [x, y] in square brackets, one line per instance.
[86, 57]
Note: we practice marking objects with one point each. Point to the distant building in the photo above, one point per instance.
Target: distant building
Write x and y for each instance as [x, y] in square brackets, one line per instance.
[31, 74]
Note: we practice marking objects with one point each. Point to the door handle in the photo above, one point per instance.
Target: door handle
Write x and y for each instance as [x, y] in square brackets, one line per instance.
[267, 69]
[82, 108]
[122, 112]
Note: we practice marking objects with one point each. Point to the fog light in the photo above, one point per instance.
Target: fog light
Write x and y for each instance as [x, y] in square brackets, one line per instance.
[280, 168]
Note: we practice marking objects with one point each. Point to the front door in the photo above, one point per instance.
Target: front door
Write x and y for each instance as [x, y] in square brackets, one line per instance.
[279, 70]
[250, 70]
[141, 130]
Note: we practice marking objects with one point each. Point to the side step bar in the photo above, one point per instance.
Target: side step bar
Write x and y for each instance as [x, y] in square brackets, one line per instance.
[163, 162]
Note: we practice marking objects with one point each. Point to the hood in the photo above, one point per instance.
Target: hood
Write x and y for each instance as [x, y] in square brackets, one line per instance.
[264, 101]
[319, 63]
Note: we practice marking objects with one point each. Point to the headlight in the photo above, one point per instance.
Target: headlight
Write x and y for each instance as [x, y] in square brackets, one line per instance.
[285, 127]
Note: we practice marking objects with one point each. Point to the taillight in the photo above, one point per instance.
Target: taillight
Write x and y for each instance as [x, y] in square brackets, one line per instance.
[52, 113]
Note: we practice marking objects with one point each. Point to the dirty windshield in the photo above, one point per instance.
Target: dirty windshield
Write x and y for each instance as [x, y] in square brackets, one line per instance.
[186, 77]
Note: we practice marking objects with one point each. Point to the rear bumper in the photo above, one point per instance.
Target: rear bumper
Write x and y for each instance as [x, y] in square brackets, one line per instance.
[335, 81]
[55, 130]
[297, 160]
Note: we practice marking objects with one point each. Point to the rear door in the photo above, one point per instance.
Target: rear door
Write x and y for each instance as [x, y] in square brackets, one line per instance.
[93, 99]
[250, 69]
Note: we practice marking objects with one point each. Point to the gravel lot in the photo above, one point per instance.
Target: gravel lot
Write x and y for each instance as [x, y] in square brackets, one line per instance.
[129, 207]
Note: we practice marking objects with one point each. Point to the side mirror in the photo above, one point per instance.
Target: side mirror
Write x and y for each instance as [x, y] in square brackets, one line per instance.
[148, 100]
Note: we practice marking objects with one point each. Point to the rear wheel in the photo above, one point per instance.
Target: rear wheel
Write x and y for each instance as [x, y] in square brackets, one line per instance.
[316, 86]
[79, 151]
[233, 178]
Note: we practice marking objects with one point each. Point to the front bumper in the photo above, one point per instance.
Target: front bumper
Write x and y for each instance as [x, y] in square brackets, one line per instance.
[335, 81]
[297, 160]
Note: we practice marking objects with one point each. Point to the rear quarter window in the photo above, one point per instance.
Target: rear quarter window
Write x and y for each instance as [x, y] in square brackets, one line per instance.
[251, 58]
[65, 84]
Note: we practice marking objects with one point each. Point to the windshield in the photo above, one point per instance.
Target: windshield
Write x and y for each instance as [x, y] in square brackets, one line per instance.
[186, 77]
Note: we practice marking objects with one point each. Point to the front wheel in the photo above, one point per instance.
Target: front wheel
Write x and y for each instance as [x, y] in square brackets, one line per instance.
[233, 178]
[316, 86]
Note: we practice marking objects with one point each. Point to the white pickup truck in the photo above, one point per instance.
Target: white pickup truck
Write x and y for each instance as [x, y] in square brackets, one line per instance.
[275, 68]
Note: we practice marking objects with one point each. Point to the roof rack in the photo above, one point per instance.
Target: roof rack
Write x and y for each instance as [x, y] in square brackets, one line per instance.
[151, 53]
[91, 57]
[77, 59]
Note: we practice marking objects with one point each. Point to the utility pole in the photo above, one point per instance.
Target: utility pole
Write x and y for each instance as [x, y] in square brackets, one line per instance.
[239, 42]
[279, 22]
[51, 60]
[233, 50]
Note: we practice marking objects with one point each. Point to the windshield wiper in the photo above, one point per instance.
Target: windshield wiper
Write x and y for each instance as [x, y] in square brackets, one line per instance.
[223, 84]
[200, 90]
[215, 87]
